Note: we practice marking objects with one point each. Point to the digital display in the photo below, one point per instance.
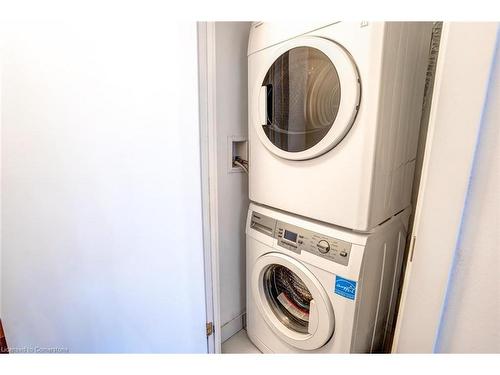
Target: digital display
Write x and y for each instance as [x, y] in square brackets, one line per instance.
[290, 236]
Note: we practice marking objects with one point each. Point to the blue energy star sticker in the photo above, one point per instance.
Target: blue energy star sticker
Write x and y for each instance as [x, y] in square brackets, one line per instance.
[345, 288]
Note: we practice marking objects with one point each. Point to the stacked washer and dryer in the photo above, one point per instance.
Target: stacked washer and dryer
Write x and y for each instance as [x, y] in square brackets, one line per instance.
[334, 114]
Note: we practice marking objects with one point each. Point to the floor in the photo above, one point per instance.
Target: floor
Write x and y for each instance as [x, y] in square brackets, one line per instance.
[239, 344]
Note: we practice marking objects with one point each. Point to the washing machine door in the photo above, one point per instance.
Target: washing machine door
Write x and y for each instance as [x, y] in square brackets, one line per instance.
[292, 301]
[306, 97]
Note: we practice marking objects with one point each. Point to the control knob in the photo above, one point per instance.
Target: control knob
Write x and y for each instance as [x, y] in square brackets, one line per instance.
[323, 246]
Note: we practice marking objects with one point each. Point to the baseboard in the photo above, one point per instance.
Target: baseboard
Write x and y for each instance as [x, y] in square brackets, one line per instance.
[232, 327]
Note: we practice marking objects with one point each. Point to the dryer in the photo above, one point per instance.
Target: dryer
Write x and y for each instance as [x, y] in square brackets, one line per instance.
[317, 288]
[334, 114]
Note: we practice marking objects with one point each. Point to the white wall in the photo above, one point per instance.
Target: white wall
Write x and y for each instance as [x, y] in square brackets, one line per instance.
[458, 106]
[101, 220]
[231, 41]
[471, 317]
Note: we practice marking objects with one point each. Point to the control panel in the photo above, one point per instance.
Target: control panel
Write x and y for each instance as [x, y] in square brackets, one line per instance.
[263, 224]
[297, 239]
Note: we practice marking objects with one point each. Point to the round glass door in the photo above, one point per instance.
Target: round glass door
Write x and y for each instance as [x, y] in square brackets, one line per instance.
[292, 301]
[303, 97]
[288, 297]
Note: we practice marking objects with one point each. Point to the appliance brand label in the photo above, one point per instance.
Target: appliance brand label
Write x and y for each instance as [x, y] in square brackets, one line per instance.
[345, 288]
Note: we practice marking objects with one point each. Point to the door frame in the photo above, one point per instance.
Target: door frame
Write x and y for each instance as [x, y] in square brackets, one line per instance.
[454, 125]
[208, 164]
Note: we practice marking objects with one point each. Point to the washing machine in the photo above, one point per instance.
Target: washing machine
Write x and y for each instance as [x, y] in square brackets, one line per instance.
[318, 288]
[334, 114]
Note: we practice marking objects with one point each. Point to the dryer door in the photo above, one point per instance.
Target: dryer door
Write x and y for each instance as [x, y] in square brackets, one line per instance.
[292, 301]
[306, 97]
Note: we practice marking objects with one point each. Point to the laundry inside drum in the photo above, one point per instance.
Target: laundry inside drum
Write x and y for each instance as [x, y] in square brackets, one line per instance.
[288, 297]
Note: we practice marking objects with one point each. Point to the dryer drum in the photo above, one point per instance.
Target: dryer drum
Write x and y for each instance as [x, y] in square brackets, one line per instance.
[303, 98]
[288, 297]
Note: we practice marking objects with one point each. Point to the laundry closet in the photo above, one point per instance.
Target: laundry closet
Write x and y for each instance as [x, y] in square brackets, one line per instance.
[289, 105]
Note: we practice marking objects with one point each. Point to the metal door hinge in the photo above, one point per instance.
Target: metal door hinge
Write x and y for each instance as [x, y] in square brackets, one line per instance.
[209, 328]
